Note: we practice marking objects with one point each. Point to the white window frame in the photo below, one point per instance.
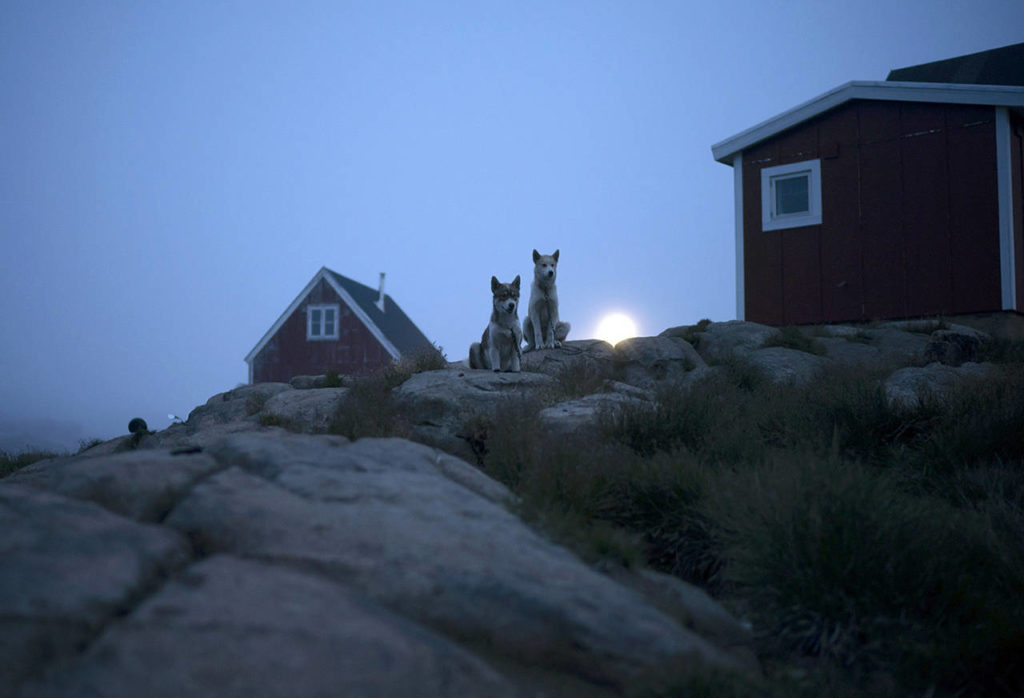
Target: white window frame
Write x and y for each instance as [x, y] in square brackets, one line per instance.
[328, 307]
[769, 175]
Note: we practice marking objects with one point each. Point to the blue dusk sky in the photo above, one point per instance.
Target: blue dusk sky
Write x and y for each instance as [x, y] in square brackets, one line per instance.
[173, 173]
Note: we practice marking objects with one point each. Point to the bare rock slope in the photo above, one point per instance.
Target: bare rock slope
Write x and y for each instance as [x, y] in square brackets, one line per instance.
[228, 557]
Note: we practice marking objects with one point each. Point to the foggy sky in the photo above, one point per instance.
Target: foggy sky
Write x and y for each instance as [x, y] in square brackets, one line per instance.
[172, 174]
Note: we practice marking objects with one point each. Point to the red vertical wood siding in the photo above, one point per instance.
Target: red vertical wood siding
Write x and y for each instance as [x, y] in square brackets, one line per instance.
[909, 217]
[974, 210]
[926, 181]
[289, 353]
[762, 259]
[881, 229]
[842, 272]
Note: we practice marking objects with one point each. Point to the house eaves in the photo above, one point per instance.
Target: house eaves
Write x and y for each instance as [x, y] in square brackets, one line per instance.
[990, 95]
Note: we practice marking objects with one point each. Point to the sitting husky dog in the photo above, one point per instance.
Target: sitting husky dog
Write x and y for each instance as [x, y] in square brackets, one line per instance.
[499, 348]
[542, 328]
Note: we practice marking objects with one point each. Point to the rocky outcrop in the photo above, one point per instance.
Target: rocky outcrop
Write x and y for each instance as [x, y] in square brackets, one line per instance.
[236, 627]
[589, 355]
[309, 411]
[245, 552]
[723, 340]
[381, 567]
[574, 416]
[69, 569]
[439, 403]
[648, 362]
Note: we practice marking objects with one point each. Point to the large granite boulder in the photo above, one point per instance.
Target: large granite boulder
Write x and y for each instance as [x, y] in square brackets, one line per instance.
[582, 414]
[593, 356]
[429, 548]
[68, 569]
[910, 386]
[438, 403]
[955, 345]
[306, 410]
[234, 627]
[142, 485]
[720, 341]
[241, 404]
[289, 564]
[649, 362]
[784, 365]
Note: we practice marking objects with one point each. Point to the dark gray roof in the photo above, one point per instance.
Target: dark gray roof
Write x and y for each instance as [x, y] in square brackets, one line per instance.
[1000, 66]
[393, 322]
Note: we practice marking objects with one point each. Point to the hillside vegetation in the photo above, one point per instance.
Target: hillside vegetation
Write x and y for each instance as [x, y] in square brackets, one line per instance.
[877, 549]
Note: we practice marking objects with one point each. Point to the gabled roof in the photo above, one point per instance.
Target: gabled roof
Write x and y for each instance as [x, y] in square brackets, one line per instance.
[993, 95]
[998, 66]
[390, 325]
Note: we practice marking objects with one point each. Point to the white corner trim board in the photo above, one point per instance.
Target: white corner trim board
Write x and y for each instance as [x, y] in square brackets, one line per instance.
[737, 177]
[1004, 185]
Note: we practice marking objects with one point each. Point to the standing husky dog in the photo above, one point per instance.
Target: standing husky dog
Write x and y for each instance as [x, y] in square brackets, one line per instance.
[542, 328]
[499, 348]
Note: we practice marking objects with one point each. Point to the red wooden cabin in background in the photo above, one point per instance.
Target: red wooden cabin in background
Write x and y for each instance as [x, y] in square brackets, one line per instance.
[335, 324]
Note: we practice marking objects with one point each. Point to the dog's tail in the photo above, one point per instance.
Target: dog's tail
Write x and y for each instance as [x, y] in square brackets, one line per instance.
[475, 358]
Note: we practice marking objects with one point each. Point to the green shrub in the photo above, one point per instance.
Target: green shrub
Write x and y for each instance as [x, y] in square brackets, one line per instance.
[579, 378]
[845, 410]
[1002, 350]
[430, 358]
[834, 560]
[979, 422]
[255, 403]
[693, 332]
[793, 338]
[85, 444]
[368, 408]
[711, 419]
[11, 462]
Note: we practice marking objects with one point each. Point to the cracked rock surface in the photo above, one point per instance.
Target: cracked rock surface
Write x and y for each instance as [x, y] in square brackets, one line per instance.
[270, 563]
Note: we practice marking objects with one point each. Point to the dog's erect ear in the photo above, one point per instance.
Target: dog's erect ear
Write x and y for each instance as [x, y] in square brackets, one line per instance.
[494, 284]
[555, 255]
[536, 256]
[515, 282]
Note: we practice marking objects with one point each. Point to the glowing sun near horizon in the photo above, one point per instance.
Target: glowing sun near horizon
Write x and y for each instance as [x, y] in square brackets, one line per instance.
[614, 327]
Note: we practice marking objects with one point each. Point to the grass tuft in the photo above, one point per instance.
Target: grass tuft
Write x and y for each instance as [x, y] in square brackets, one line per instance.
[793, 338]
[12, 462]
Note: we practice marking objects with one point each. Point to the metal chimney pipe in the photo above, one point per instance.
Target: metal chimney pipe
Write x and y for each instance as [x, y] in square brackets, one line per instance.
[380, 293]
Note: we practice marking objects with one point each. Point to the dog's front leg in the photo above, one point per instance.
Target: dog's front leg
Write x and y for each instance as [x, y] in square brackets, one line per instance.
[538, 335]
[517, 350]
[494, 358]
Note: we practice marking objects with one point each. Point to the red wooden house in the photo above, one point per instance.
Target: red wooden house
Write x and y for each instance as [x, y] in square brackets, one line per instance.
[886, 199]
[335, 324]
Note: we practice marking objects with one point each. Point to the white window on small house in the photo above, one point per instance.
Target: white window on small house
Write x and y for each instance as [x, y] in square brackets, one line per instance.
[322, 322]
[791, 195]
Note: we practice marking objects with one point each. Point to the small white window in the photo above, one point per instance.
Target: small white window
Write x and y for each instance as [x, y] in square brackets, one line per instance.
[791, 195]
[322, 322]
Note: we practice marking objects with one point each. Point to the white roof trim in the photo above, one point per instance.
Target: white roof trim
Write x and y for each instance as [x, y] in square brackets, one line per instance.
[994, 95]
[348, 300]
